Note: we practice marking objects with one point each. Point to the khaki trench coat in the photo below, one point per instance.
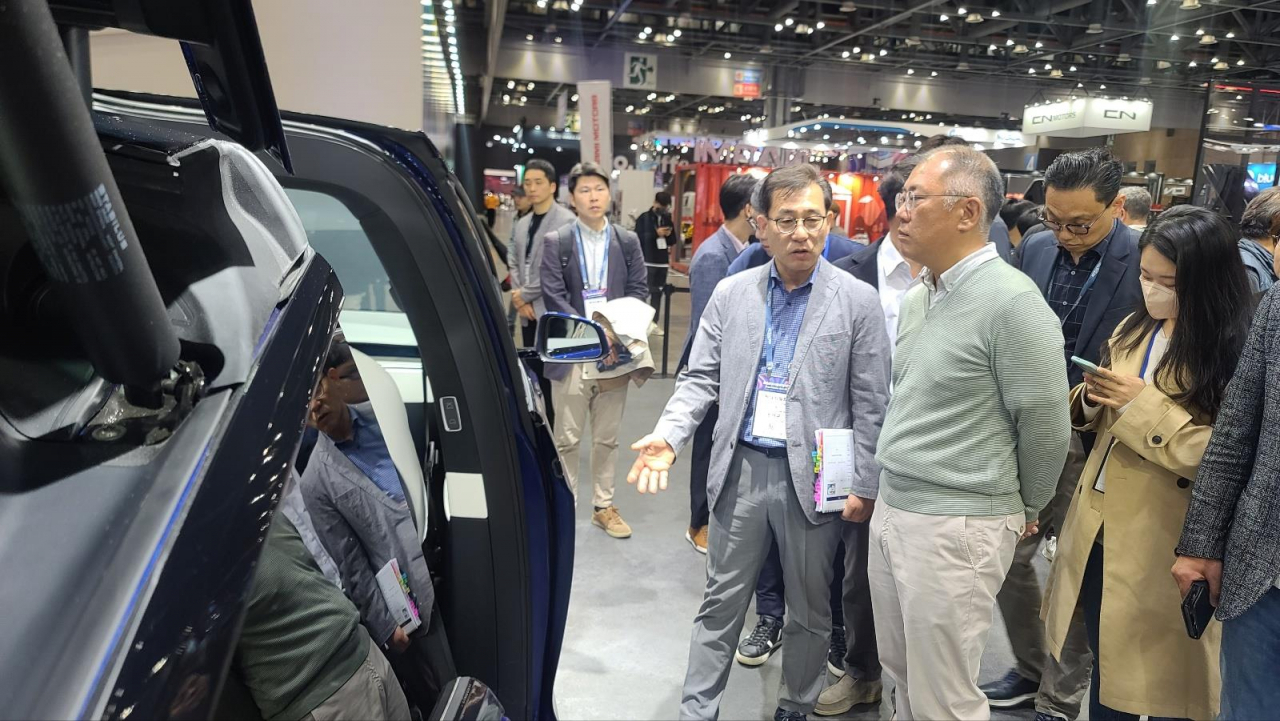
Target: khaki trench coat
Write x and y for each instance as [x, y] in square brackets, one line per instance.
[1148, 663]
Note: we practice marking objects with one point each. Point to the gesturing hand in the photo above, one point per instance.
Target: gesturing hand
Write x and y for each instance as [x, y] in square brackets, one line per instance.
[857, 509]
[649, 471]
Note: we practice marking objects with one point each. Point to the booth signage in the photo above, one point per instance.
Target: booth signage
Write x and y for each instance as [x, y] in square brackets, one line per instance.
[642, 71]
[746, 83]
[1084, 117]
[595, 105]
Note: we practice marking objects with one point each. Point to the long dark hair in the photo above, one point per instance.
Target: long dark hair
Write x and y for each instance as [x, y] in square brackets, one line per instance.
[1215, 306]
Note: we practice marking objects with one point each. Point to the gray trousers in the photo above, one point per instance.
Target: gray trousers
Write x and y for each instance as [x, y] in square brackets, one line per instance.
[372, 692]
[1062, 683]
[757, 503]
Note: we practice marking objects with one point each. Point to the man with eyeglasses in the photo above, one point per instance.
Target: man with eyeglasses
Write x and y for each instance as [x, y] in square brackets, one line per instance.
[973, 441]
[1086, 265]
[789, 348]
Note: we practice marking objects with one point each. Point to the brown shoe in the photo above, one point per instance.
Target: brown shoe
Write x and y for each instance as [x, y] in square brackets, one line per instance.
[697, 537]
[611, 522]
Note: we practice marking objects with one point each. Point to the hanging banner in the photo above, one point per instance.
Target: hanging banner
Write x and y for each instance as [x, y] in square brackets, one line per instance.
[595, 110]
[746, 83]
[1086, 117]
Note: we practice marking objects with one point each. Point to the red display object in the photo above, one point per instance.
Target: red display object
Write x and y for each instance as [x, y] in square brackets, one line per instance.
[859, 210]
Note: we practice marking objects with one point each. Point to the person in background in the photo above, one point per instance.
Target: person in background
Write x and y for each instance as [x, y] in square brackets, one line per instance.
[854, 658]
[356, 498]
[1229, 540]
[1153, 401]
[491, 203]
[584, 265]
[302, 652]
[1087, 266]
[1260, 227]
[710, 265]
[522, 201]
[1010, 212]
[654, 228]
[525, 251]
[1028, 225]
[1136, 211]
[973, 442]
[798, 346]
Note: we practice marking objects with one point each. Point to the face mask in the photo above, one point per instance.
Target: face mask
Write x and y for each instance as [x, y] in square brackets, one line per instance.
[1162, 302]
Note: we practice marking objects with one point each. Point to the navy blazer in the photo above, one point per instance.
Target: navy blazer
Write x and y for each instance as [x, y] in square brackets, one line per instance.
[1116, 293]
[999, 234]
[710, 265]
[562, 279]
[863, 264]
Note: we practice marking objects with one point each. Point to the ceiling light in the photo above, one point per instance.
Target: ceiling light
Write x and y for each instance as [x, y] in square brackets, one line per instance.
[995, 13]
[1220, 66]
[1008, 42]
[1208, 40]
[845, 54]
[933, 74]
[790, 22]
[911, 71]
[1079, 85]
[1056, 73]
[1173, 38]
[944, 17]
[676, 33]
[630, 108]
[973, 18]
[1215, 59]
[529, 86]
[1102, 86]
[728, 55]
[1020, 50]
[1240, 62]
[1073, 68]
[1039, 45]
[821, 25]
[1191, 64]
[511, 85]
[883, 52]
[848, 7]
[1190, 5]
[1152, 2]
[1124, 58]
[574, 97]
[777, 28]
[559, 40]
[529, 37]
[1048, 66]
[991, 49]
[1200, 31]
[962, 11]
[1031, 71]
[857, 50]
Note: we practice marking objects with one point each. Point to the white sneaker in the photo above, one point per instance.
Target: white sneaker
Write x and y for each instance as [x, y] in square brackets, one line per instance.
[657, 331]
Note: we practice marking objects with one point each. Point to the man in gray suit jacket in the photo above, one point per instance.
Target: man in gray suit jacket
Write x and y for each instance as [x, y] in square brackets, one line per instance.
[585, 265]
[525, 253]
[793, 347]
[1231, 538]
[710, 266]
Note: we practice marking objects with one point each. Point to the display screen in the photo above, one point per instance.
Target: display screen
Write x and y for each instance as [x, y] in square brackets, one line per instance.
[1264, 174]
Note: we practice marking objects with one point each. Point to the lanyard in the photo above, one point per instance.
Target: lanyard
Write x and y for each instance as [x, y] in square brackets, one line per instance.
[1088, 283]
[768, 329]
[1150, 345]
[582, 260]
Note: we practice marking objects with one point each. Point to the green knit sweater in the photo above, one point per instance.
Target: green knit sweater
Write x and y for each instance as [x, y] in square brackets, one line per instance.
[302, 639]
[979, 423]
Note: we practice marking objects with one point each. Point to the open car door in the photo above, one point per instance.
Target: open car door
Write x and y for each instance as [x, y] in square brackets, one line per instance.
[422, 299]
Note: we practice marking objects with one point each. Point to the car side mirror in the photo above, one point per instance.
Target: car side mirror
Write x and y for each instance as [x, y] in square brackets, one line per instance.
[564, 338]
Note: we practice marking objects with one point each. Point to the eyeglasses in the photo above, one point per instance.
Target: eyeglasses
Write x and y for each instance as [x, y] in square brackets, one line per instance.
[1073, 228]
[907, 201]
[787, 226]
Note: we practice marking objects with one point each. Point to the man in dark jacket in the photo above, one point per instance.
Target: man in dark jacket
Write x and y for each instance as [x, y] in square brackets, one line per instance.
[1231, 538]
[584, 265]
[654, 228]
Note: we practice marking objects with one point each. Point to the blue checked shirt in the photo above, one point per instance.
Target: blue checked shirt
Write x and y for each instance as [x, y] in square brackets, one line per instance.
[367, 449]
[1064, 290]
[788, 314]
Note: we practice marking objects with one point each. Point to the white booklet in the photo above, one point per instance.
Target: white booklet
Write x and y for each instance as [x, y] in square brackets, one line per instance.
[395, 591]
[834, 466]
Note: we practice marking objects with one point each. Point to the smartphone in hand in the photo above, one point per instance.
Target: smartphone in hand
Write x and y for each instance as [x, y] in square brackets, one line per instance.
[1197, 611]
[1084, 364]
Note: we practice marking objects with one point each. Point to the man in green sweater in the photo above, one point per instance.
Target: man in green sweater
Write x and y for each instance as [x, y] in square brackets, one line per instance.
[973, 443]
[302, 651]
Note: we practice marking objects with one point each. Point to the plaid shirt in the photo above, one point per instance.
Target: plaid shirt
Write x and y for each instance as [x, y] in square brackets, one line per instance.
[788, 315]
[1064, 293]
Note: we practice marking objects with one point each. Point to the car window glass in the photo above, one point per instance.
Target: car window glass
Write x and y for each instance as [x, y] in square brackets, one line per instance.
[336, 234]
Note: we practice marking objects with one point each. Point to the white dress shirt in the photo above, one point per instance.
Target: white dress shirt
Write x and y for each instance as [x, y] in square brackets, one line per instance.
[944, 283]
[895, 281]
[594, 246]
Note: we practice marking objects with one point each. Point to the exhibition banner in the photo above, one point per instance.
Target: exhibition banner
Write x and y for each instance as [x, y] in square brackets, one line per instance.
[1085, 117]
[595, 110]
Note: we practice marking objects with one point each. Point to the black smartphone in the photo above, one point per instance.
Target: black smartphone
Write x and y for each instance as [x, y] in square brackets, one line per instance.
[1197, 611]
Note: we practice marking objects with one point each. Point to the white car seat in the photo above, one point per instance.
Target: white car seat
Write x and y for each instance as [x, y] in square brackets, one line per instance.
[388, 406]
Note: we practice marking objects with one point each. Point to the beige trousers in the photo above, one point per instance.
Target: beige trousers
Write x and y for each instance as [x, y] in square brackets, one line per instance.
[574, 399]
[933, 582]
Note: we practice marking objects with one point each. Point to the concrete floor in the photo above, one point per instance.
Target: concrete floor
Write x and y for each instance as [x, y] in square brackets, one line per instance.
[634, 600]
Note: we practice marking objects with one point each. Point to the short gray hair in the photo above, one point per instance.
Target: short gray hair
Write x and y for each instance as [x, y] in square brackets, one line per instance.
[1260, 215]
[972, 174]
[789, 180]
[1137, 201]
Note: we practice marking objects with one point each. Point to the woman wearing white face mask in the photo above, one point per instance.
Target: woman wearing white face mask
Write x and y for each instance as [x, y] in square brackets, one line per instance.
[1152, 405]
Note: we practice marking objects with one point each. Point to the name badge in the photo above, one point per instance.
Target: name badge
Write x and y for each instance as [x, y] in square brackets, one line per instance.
[771, 408]
[594, 300]
[662, 243]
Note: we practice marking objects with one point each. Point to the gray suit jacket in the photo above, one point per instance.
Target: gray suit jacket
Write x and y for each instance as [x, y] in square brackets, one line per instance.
[526, 268]
[841, 376]
[363, 528]
[710, 266]
[1235, 502]
[562, 279]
